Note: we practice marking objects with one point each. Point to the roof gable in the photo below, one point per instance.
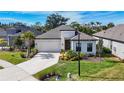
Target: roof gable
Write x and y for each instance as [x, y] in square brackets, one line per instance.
[56, 32]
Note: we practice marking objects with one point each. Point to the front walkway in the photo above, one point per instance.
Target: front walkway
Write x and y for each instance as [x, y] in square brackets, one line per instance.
[41, 61]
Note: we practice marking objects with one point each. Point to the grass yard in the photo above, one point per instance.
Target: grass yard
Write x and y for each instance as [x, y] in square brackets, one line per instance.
[107, 70]
[12, 57]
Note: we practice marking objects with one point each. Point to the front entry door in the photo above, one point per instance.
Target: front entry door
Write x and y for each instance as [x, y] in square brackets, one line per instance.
[67, 45]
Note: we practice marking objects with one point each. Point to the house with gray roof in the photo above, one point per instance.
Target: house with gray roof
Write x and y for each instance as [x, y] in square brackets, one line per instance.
[113, 38]
[65, 37]
[9, 34]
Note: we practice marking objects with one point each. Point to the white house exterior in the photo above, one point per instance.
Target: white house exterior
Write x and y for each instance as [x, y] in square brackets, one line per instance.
[84, 46]
[65, 37]
[113, 39]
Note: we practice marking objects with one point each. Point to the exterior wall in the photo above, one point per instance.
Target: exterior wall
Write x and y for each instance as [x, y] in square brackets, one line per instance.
[107, 43]
[84, 46]
[118, 49]
[48, 45]
[66, 35]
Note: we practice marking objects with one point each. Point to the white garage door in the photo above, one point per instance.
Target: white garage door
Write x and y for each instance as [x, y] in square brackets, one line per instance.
[48, 45]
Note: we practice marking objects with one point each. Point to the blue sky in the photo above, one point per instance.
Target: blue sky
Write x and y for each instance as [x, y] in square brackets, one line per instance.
[82, 17]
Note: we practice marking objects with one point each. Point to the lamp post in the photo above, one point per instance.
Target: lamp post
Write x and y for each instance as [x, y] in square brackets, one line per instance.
[79, 49]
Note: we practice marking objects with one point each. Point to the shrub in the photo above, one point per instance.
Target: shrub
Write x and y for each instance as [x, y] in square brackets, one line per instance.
[31, 54]
[106, 50]
[23, 55]
[35, 51]
[62, 51]
[70, 54]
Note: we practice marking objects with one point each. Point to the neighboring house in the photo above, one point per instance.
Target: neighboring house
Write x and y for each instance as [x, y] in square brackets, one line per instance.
[64, 37]
[113, 39]
[9, 34]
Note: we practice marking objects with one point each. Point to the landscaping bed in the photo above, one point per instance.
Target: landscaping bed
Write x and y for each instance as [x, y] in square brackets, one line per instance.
[88, 69]
[12, 57]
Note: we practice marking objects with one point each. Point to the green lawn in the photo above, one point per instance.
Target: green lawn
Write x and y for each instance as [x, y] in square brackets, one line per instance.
[12, 57]
[107, 70]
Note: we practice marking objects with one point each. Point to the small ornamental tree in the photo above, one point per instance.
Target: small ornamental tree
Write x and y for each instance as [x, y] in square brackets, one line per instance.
[18, 42]
[28, 38]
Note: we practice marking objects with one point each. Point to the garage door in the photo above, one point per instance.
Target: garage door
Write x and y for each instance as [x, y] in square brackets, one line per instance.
[48, 45]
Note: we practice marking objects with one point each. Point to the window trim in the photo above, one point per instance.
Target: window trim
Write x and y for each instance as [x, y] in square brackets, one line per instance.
[90, 47]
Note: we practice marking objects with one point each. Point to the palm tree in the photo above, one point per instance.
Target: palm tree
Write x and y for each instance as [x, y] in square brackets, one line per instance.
[98, 23]
[28, 38]
[18, 42]
[92, 24]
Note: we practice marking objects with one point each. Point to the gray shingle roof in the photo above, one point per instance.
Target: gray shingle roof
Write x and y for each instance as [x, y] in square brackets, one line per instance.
[3, 33]
[83, 36]
[56, 32]
[114, 33]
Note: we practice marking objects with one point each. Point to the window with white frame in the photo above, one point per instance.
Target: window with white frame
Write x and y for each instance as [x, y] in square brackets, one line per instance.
[89, 47]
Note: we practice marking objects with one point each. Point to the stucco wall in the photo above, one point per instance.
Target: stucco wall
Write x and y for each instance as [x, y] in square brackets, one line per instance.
[107, 43]
[84, 46]
[67, 34]
[118, 49]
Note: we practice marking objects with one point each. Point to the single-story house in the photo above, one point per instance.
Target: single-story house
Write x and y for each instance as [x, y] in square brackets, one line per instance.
[113, 38]
[9, 34]
[65, 37]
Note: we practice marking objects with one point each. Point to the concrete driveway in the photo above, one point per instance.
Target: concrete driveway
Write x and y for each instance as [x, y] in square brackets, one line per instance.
[13, 73]
[39, 62]
[25, 70]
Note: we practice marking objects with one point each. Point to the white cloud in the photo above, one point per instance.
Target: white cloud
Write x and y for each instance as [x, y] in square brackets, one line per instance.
[74, 16]
[9, 19]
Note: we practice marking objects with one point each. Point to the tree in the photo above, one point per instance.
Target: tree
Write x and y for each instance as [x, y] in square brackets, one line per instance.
[28, 38]
[98, 23]
[38, 27]
[3, 42]
[109, 25]
[18, 42]
[100, 47]
[92, 24]
[76, 25]
[55, 20]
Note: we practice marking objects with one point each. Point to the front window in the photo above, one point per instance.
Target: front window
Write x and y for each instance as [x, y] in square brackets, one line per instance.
[89, 47]
[78, 47]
